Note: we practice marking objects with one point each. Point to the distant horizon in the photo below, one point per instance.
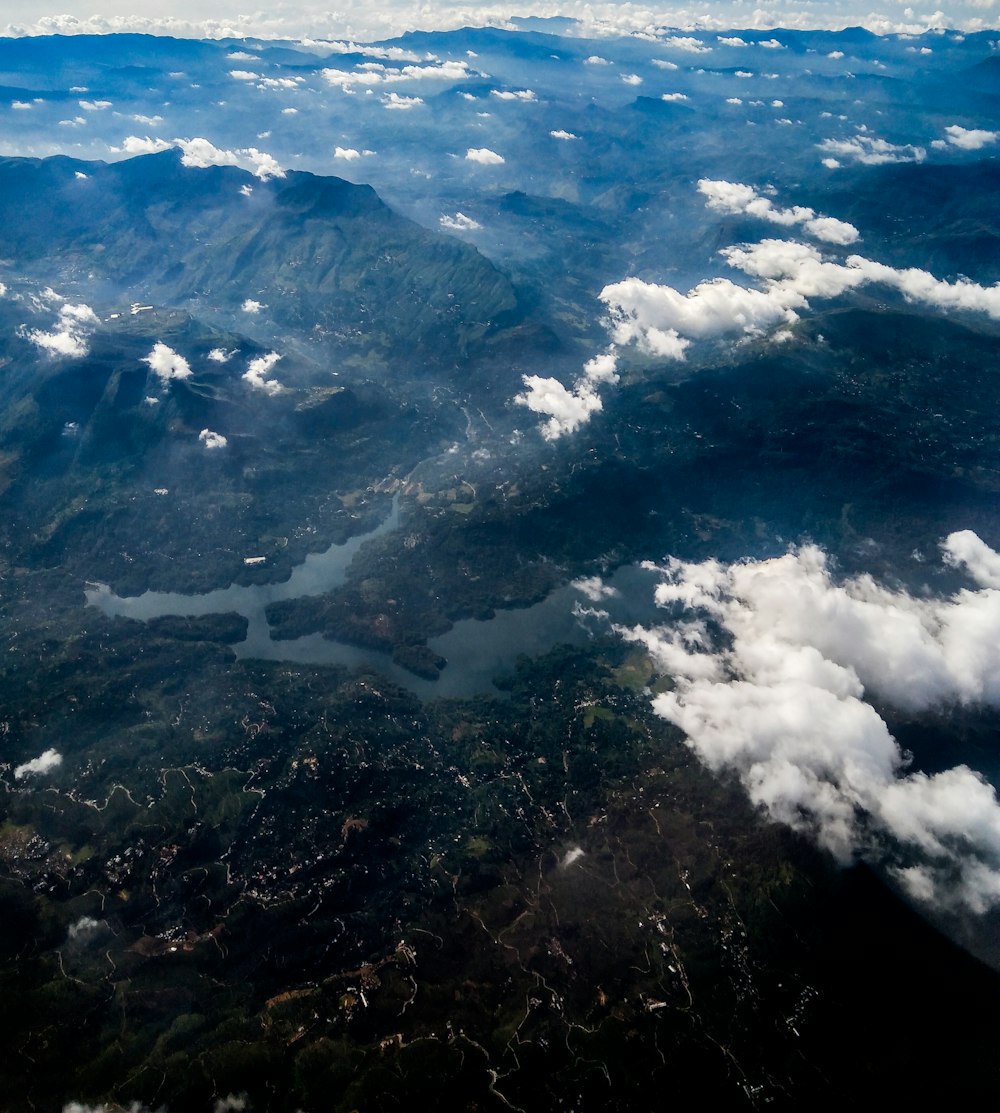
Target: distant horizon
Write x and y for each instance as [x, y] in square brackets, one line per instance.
[304, 22]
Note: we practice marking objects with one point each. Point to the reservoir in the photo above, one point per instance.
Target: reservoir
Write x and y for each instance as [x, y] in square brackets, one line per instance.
[477, 650]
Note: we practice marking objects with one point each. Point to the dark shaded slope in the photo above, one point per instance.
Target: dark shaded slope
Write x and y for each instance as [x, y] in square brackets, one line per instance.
[324, 256]
[944, 218]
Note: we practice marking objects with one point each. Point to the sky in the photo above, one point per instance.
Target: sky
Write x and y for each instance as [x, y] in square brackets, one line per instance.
[231, 18]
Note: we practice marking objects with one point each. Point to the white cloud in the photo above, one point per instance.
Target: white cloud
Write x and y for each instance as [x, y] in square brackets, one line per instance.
[134, 145]
[375, 73]
[731, 40]
[217, 355]
[831, 163]
[734, 197]
[348, 154]
[836, 54]
[674, 96]
[872, 151]
[602, 368]
[560, 134]
[734, 100]
[797, 271]
[257, 373]
[280, 83]
[94, 105]
[402, 104]
[244, 75]
[663, 322]
[167, 364]
[970, 139]
[21, 105]
[262, 164]
[597, 60]
[459, 223]
[631, 78]
[687, 44]
[514, 94]
[251, 306]
[484, 156]
[568, 409]
[389, 53]
[70, 337]
[594, 588]
[663, 64]
[779, 698]
[231, 1103]
[212, 440]
[771, 44]
[242, 56]
[84, 929]
[201, 154]
[40, 765]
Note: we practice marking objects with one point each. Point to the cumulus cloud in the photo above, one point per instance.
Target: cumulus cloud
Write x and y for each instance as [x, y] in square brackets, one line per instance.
[687, 43]
[561, 134]
[142, 145]
[402, 104]
[376, 73]
[74, 327]
[674, 96]
[167, 364]
[389, 53]
[514, 94]
[662, 322]
[257, 373]
[734, 198]
[631, 78]
[797, 270]
[351, 154]
[773, 662]
[566, 409]
[252, 307]
[569, 408]
[594, 588]
[218, 355]
[459, 223]
[484, 156]
[872, 151]
[212, 440]
[38, 766]
[201, 154]
[966, 139]
[84, 929]
[231, 1103]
